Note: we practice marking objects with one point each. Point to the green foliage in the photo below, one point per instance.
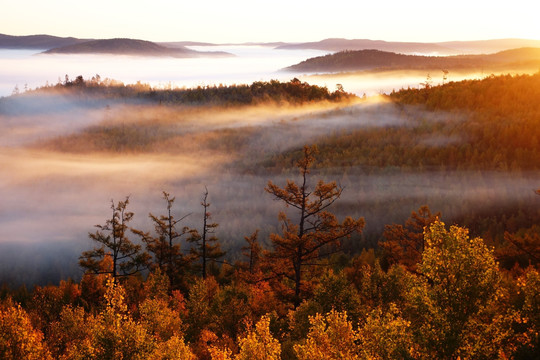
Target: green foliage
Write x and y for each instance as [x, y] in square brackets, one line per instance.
[230, 309]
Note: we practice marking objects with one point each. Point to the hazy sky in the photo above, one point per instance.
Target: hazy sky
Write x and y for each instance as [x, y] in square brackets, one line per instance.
[225, 21]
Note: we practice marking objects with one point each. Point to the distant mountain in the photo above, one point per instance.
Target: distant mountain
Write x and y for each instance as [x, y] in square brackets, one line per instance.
[489, 46]
[130, 47]
[181, 44]
[195, 43]
[335, 45]
[414, 48]
[39, 42]
[375, 59]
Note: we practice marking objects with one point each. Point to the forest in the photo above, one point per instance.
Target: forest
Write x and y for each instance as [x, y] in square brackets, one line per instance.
[260, 92]
[377, 60]
[318, 283]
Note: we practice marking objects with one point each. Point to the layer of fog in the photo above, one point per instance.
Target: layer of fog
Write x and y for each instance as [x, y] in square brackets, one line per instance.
[371, 83]
[27, 69]
[51, 200]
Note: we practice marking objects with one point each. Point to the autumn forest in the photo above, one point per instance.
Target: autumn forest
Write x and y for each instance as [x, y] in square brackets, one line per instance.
[320, 225]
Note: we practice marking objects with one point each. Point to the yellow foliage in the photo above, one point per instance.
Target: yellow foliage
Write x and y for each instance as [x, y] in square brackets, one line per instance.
[462, 282]
[220, 354]
[259, 344]
[18, 339]
[173, 349]
[330, 337]
[386, 335]
[159, 319]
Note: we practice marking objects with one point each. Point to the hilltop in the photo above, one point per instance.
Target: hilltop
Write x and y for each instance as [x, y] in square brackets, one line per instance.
[442, 48]
[37, 41]
[129, 47]
[362, 60]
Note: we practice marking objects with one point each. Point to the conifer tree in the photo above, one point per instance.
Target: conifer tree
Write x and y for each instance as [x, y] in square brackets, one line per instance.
[165, 247]
[207, 247]
[317, 232]
[405, 244]
[252, 250]
[126, 257]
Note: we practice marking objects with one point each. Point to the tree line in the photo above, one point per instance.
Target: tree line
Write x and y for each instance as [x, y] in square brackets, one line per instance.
[293, 92]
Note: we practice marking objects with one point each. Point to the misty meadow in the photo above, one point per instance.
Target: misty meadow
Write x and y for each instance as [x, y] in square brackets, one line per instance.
[277, 218]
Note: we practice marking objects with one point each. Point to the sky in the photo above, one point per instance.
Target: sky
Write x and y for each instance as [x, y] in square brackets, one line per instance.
[237, 21]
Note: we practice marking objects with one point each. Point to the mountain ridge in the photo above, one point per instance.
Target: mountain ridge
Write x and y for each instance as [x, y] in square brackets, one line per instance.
[412, 48]
[38, 42]
[364, 60]
[48, 42]
[124, 46]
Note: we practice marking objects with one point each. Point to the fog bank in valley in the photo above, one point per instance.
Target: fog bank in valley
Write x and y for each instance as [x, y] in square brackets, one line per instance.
[59, 174]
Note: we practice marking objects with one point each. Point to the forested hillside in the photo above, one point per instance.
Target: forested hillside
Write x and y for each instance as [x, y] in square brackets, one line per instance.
[311, 287]
[382, 60]
[129, 47]
[487, 124]
[36, 41]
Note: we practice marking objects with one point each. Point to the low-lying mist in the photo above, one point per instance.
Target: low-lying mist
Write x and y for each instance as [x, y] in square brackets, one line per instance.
[62, 168]
[385, 81]
[28, 68]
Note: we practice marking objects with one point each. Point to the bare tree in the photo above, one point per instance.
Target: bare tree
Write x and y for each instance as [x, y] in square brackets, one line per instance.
[207, 247]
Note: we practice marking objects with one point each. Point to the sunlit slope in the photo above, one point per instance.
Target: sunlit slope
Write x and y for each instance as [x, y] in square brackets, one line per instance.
[488, 124]
[363, 60]
[105, 116]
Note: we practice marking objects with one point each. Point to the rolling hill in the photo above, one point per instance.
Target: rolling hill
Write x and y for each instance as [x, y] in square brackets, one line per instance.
[336, 45]
[130, 47]
[362, 60]
[37, 41]
[412, 48]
